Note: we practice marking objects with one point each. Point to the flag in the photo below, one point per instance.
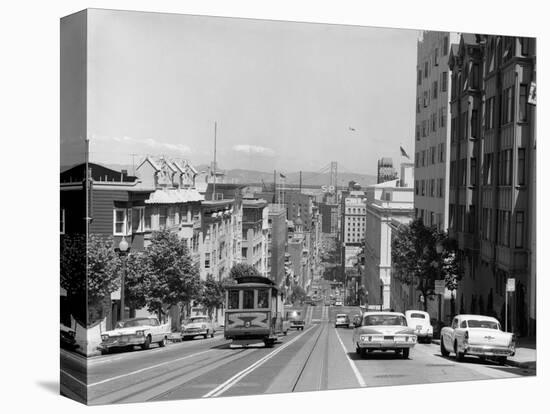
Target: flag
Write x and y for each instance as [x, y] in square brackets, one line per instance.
[351, 129]
[403, 153]
[282, 175]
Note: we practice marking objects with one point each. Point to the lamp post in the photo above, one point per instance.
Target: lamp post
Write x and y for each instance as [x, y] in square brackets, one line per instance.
[123, 248]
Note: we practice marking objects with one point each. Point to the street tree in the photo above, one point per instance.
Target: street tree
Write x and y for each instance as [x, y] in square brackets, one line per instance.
[90, 272]
[138, 280]
[173, 277]
[212, 294]
[417, 261]
[243, 270]
[298, 294]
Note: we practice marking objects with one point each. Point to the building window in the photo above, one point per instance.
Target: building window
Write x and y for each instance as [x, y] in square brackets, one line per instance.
[462, 165]
[423, 158]
[486, 229]
[432, 188]
[523, 91]
[62, 221]
[424, 129]
[122, 221]
[434, 90]
[453, 129]
[440, 187]
[442, 117]
[418, 105]
[524, 41]
[418, 132]
[519, 229]
[521, 166]
[474, 124]
[490, 113]
[163, 214]
[147, 219]
[183, 214]
[423, 189]
[472, 219]
[207, 260]
[434, 122]
[432, 153]
[473, 171]
[475, 76]
[416, 160]
[445, 45]
[444, 81]
[488, 169]
[507, 114]
[416, 187]
[442, 152]
[451, 216]
[138, 214]
[419, 78]
[464, 125]
[436, 57]
[425, 100]
[505, 167]
[426, 69]
[462, 218]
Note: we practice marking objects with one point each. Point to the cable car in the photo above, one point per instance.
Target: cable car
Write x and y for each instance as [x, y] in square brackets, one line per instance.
[253, 312]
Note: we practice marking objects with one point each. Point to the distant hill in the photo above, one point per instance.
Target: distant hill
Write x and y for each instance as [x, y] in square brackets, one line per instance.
[243, 176]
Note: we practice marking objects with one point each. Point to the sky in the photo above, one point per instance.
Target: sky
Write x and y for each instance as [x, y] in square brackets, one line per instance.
[284, 95]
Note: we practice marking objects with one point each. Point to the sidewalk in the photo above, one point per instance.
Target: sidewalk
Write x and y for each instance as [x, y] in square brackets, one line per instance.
[526, 353]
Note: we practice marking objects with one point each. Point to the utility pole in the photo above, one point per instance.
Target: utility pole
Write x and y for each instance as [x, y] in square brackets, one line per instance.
[214, 166]
[300, 182]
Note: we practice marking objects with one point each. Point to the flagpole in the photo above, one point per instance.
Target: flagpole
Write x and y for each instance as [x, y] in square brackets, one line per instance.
[215, 138]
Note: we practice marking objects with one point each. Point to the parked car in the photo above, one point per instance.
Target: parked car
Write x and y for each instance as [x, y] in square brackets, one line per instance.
[295, 319]
[67, 337]
[197, 325]
[420, 322]
[338, 303]
[341, 320]
[135, 331]
[477, 335]
[384, 331]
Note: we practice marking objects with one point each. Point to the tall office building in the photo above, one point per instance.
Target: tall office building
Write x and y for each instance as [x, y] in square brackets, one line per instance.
[492, 169]
[431, 172]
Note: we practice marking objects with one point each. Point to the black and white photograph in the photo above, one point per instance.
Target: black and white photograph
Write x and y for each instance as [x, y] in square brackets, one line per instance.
[288, 210]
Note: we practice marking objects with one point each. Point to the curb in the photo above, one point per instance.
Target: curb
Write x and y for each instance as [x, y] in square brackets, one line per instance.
[512, 362]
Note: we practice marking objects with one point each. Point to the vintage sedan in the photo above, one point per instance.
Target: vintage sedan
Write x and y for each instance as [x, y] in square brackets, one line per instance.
[295, 320]
[341, 320]
[198, 325]
[477, 335]
[136, 331]
[384, 331]
[420, 322]
[67, 337]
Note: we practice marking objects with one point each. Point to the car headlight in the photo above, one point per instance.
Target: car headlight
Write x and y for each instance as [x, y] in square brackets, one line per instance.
[104, 337]
[412, 338]
[140, 333]
[363, 338]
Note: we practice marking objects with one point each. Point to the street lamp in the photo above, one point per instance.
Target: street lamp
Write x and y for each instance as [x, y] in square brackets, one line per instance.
[123, 248]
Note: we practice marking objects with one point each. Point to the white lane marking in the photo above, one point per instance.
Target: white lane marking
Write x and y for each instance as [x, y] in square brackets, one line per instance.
[220, 389]
[74, 378]
[358, 375]
[148, 368]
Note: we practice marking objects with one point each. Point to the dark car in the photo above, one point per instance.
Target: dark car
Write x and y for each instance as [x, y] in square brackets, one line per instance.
[295, 319]
[67, 337]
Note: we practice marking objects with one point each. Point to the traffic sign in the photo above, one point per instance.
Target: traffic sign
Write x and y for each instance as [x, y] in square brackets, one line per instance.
[439, 287]
[511, 284]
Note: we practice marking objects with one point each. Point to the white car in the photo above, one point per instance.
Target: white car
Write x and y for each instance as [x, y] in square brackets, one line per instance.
[477, 335]
[342, 320]
[420, 322]
[136, 331]
[338, 303]
[198, 325]
[384, 331]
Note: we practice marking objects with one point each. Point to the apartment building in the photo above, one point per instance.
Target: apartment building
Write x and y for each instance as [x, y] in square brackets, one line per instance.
[432, 133]
[492, 175]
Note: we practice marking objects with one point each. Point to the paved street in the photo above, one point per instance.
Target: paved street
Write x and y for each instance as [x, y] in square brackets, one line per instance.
[319, 358]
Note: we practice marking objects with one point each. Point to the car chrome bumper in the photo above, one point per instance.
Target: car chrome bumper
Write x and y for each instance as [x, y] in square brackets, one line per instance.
[117, 343]
[194, 333]
[480, 350]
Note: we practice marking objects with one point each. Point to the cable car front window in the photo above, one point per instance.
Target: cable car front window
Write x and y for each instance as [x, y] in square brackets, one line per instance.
[263, 296]
[248, 299]
[233, 299]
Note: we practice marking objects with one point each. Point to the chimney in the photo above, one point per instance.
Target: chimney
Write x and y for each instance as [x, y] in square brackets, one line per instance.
[123, 174]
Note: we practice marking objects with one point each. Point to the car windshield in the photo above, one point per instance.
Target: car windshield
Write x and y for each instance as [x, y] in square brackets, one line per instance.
[396, 320]
[196, 320]
[132, 323]
[475, 323]
[418, 316]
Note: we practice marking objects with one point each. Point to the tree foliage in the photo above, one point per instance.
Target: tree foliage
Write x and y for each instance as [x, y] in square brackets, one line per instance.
[416, 260]
[89, 274]
[173, 278]
[138, 280]
[212, 295]
[243, 270]
[298, 294]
